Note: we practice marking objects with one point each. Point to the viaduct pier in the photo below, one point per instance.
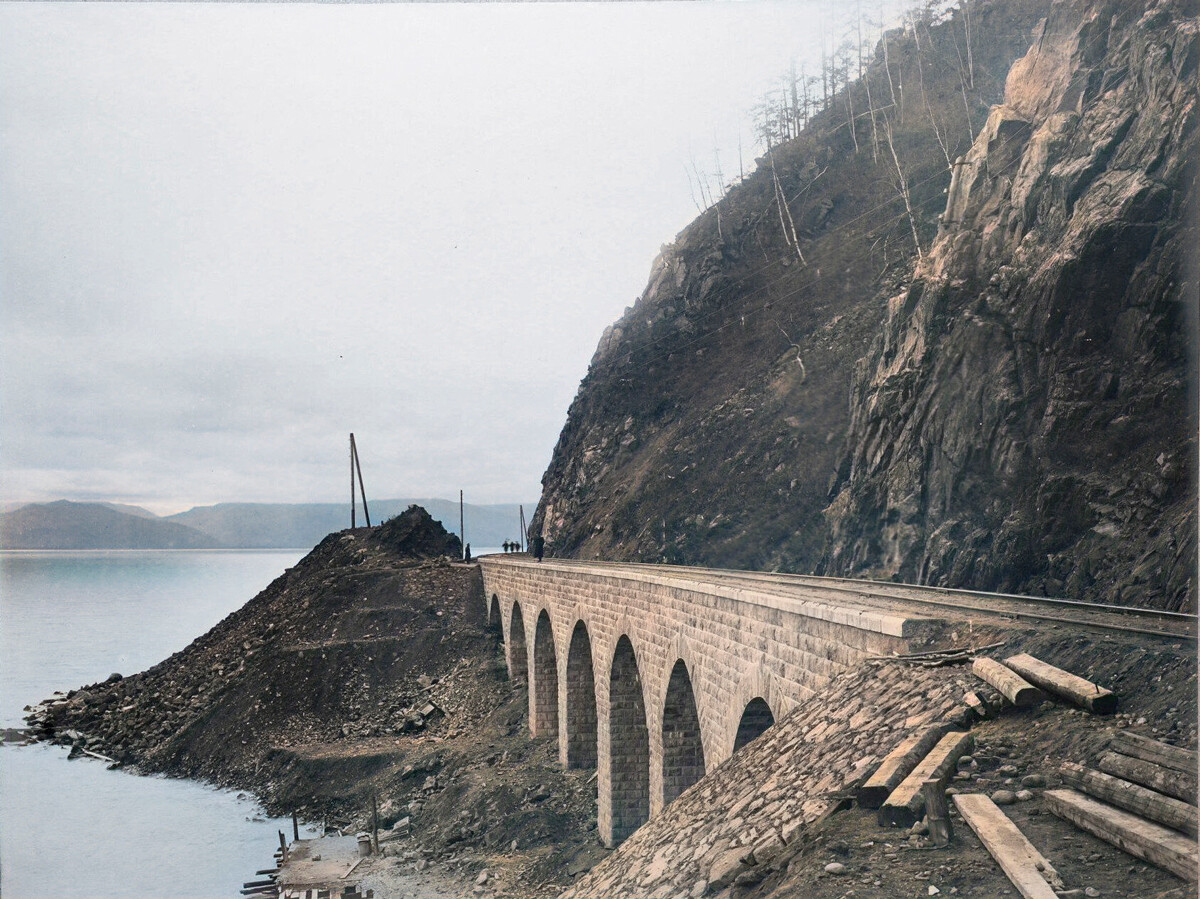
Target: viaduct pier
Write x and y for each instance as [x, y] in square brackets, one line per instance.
[654, 675]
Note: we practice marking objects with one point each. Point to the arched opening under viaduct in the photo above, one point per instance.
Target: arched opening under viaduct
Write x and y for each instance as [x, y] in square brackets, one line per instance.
[493, 618]
[545, 679]
[683, 751]
[629, 744]
[581, 701]
[755, 719]
[518, 659]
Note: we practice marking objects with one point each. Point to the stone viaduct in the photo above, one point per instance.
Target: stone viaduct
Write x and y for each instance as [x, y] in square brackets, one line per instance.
[655, 678]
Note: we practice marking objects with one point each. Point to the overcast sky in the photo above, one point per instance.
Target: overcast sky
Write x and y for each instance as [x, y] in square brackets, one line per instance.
[233, 233]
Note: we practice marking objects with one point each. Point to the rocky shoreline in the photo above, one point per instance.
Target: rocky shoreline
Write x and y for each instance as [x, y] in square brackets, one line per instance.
[364, 672]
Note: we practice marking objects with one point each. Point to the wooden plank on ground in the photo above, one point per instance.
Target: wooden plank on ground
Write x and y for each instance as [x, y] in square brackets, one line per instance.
[1175, 757]
[1144, 839]
[1030, 871]
[1011, 685]
[1131, 797]
[1148, 774]
[898, 764]
[1062, 683]
[905, 805]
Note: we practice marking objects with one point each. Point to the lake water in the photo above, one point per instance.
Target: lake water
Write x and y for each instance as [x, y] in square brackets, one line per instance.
[74, 828]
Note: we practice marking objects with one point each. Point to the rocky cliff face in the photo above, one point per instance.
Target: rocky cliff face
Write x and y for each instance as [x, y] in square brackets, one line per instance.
[711, 421]
[1006, 409]
[1023, 421]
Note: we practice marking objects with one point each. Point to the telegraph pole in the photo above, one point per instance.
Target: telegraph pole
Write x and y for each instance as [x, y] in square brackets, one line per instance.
[462, 531]
[356, 465]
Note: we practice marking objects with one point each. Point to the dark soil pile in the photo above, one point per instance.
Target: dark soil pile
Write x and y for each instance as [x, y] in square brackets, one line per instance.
[366, 672]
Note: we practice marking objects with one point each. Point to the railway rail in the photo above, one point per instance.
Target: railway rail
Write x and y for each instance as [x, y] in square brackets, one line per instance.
[1129, 619]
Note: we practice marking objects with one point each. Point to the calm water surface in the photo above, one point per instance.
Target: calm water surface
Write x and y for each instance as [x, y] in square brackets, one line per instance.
[74, 828]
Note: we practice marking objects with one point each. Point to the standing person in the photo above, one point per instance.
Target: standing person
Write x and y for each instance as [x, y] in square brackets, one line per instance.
[539, 547]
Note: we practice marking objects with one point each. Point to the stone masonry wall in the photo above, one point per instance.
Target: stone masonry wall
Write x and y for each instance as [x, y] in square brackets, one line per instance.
[769, 793]
[736, 644]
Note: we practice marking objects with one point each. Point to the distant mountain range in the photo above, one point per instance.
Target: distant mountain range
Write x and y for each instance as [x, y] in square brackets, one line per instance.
[71, 525]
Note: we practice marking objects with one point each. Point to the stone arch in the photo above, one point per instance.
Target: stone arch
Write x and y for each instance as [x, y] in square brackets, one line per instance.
[756, 718]
[493, 615]
[757, 683]
[629, 744]
[581, 701]
[544, 696]
[682, 747]
[518, 656]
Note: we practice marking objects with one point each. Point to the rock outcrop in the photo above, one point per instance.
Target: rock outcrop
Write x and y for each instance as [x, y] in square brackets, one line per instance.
[1022, 422]
[1006, 409]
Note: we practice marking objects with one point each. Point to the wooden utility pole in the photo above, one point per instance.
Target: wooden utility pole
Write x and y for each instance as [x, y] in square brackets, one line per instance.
[355, 465]
[462, 531]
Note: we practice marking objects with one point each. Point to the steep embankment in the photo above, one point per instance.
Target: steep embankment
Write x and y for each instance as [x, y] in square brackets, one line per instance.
[1013, 416]
[1022, 422]
[712, 419]
[367, 670]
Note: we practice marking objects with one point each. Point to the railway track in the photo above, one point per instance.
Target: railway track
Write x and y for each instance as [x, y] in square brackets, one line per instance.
[1129, 619]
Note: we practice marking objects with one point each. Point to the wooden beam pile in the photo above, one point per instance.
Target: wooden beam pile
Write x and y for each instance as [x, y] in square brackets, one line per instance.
[1142, 800]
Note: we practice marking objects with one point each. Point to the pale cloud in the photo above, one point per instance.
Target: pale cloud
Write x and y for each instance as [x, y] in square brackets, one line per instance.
[234, 233]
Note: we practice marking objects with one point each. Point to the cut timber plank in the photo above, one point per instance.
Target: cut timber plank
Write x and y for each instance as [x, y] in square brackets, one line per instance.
[905, 804]
[1062, 683]
[1144, 839]
[1148, 774]
[1030, 872]
[1182, 760]
[1011, 685]
[1131, 797]
[898, 765]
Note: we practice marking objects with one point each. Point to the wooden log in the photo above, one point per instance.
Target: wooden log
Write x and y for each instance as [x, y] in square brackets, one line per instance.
[1143, 839]
[1082, 692]
[898, 764]
[1131, 797]
[937, 815]
[1030, 871]
[905, 805]
[1174, 757]
[1148, 774]
[1011, 685]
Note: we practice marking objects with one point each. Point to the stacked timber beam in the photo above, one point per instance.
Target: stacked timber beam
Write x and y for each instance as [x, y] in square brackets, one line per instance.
[905, 806]
[1142, 800]
[1063, 684]
[898, 765]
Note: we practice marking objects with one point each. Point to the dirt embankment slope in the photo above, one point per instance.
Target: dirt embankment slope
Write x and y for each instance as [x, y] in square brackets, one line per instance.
[365, 671]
